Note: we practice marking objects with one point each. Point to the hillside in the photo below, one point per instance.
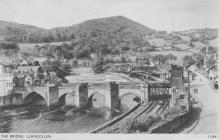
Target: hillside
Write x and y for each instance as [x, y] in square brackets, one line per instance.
[111, 35]
[200, 34]
[29, 34]
[15, 32]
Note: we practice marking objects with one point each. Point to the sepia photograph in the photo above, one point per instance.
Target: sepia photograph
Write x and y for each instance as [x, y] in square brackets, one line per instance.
[93, 67]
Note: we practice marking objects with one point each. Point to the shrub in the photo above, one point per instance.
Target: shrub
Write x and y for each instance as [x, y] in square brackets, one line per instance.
[172, 111]
[142, 124]
[133, 125]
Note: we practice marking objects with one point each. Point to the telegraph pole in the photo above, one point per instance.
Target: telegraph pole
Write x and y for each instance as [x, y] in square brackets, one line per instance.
[189, 94]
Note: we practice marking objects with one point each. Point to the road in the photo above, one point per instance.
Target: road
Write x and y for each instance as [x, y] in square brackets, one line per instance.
[207, 98]
[86, 75]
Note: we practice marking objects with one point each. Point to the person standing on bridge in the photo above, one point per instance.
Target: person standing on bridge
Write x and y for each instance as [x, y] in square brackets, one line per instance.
[36, 79]
[53, 77]
[46, 76]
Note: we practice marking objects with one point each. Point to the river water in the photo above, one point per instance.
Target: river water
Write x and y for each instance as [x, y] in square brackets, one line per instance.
[41, 119]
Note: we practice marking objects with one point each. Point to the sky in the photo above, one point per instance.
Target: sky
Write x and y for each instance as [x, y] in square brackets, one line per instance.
[169, 15]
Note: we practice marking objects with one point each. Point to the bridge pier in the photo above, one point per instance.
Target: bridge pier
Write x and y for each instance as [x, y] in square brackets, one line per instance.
[52, 95]
[81, 97]
[112, 96]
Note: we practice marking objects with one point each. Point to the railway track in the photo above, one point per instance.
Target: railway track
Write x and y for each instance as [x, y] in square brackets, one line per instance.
[134, 114]
[162, 107]
[147, 109]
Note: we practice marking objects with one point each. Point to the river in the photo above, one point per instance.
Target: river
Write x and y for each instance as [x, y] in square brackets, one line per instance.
[41, 119]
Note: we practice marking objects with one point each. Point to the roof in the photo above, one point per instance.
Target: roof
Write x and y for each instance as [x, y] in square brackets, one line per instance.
[26, 68]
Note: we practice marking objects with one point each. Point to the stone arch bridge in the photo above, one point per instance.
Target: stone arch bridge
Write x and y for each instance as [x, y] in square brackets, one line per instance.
[81, 94]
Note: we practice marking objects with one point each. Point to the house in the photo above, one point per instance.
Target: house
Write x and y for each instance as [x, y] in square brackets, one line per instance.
[6, 84]
[144, 60]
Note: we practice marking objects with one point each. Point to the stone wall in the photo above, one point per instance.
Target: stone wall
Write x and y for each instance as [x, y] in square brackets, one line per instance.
[5, 100]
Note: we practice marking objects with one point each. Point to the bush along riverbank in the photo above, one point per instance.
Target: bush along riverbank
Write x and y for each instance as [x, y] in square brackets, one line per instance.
[178, 123]
[133, 125]
[165, 122]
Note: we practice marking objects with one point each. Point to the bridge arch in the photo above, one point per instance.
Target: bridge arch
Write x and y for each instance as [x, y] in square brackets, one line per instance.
[35, 98]
[67, 99]
[129, 100]
[97, 100]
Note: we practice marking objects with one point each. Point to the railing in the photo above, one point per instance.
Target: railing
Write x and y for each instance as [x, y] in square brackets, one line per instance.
[21, 82]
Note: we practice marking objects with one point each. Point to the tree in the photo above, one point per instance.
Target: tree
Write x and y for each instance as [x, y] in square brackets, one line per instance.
[36, 63]
[75, 62]
[199, 59]
[26, 55]
[188, 60]
[161, 59]
[57, 67]
[171, 57]
[98, 65]
[211, 62]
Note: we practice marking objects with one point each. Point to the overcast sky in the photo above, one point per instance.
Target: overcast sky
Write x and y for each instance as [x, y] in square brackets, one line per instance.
[157, 14]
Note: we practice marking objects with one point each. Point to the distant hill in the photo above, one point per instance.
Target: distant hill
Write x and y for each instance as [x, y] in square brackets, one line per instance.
[200, 34]
[14, 32]
[111, 35]
[30, 34]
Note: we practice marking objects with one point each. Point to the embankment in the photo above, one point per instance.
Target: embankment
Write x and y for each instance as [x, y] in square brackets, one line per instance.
[174, 123]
